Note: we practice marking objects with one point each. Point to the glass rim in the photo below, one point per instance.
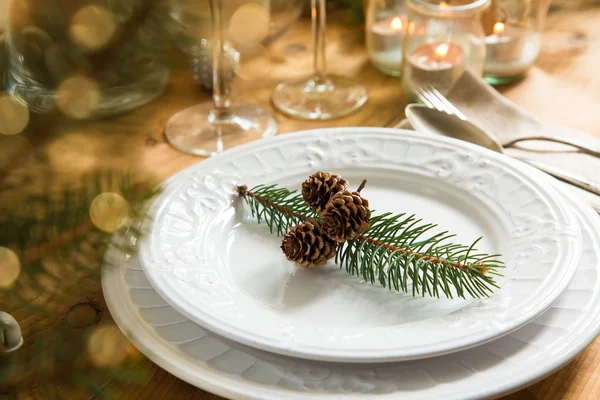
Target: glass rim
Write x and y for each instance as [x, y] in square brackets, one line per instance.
[448, 11]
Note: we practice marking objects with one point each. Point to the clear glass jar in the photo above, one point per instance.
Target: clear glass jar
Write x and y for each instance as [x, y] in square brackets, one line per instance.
[442, 41]
[513, 31]
[88, 58]
[385, 31]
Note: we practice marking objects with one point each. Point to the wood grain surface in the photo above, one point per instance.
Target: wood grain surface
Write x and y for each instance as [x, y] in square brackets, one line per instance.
[563, 87]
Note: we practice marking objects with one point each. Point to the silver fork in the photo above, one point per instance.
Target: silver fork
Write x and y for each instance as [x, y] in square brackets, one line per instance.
[431, 97]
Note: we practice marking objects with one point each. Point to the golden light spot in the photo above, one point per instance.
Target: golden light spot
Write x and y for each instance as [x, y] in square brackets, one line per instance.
[442, 50]
[107, 347]
[109, 211]
[411, 27]
[78, 97]
[92, 27]
[249, 23]
[443, 4]
[396, 24]
[14, 115]
[10, 267]
[73, 151]
[498, 28]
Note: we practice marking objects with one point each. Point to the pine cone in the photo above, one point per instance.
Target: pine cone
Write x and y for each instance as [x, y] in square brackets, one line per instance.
[318, 188]
[307, 245]
[346, 216]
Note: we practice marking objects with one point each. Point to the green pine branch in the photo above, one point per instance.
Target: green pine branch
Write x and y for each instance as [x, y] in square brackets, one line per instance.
[54, 237]
[61, 251]
[397, 252]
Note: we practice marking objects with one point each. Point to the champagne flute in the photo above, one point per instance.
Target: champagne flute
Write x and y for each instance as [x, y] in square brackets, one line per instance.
[209, 128]
[320, 96]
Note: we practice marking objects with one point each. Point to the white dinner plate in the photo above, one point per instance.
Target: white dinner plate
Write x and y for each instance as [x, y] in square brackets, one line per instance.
[206, 256]
[235, 371]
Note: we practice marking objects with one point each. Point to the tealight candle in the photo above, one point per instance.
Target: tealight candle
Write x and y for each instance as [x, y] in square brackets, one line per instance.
[510, 50]
[505, 43]
[437, 64]
[385, 38]
[443, 39]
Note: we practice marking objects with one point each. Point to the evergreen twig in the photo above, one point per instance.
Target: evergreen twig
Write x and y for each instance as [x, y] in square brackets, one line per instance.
[60, 252]
[397, 252]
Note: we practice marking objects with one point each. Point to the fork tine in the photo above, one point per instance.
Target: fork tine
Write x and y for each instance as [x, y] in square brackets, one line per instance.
[431, 99]
[448, 106]
[423, 98]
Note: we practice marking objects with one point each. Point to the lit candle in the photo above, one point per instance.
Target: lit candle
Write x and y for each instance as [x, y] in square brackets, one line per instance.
[505, 43]
[510, 50]
[385, 44]
[437, 64]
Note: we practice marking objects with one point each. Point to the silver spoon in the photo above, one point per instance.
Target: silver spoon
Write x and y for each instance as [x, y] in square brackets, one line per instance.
[430, 120]
[431, 97]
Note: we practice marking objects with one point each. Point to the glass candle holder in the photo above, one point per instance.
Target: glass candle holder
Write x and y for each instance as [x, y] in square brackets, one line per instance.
[443, 39]
[385, 31]
[513, 31]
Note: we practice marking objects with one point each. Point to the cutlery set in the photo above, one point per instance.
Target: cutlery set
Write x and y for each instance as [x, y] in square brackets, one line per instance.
[437, 115]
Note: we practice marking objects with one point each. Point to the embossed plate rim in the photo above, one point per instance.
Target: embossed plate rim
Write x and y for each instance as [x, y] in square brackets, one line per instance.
[380, 352]
[516, 371]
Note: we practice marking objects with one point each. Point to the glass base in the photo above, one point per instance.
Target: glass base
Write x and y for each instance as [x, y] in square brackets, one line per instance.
[200, 130]
[390, 72]
[502, 80]
[311, 98]
[114, 100]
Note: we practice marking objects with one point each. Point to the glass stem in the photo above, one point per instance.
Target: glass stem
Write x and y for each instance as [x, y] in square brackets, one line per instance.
[221, 89]
[319, 21]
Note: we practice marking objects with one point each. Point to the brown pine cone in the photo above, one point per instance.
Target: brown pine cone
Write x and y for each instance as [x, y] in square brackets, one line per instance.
[307, 245]
[318, 188]
[346, 216]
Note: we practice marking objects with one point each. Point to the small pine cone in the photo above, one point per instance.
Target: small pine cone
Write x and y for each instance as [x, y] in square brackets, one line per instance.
[346, 216]
[318, 188]
[307, 245]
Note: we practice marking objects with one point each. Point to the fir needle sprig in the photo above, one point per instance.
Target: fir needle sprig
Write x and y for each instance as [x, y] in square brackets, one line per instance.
[396, 251]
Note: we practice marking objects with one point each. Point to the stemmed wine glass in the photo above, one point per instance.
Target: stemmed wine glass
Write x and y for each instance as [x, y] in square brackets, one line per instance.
[209, 128]
[320, 96]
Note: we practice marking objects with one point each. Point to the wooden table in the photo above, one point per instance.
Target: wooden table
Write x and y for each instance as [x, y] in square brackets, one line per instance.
[564, 87]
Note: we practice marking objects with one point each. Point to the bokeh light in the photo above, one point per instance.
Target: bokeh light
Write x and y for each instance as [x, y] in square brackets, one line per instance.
[92, 27]
[78, 97]
[109, 211]
[249, 24]
[107, 347]
[10, 267]
[14, 115]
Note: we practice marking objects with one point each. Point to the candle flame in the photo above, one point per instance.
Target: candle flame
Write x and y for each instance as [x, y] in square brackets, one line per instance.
[498, 28]
[396, 24]
[441, 50]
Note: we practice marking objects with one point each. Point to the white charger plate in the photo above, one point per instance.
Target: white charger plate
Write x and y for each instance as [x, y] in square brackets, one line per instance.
[235, 371]
[212, 263]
